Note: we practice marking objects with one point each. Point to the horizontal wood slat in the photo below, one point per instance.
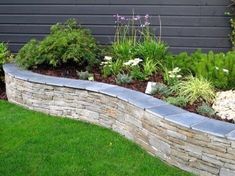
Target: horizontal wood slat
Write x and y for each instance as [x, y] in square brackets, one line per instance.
[186, 24]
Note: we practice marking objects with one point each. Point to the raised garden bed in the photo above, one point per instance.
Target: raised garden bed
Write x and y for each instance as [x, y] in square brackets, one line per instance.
[186, 140]
[70, 71]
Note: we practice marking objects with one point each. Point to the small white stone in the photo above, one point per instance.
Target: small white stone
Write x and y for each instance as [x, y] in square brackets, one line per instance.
[224, 104]
[149, 87]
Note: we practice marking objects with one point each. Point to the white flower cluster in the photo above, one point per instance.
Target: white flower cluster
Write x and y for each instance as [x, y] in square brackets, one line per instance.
[224, 70]
[174, 73]
[107, 60]
[133, 62]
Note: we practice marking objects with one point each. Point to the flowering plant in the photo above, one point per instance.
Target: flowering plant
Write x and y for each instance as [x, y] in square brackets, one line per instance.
[172, 77]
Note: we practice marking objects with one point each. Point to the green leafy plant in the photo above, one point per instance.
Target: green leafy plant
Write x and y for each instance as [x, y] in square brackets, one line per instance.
[124, 50]
[177, 101]
[66, 43]
[196, 89]
[231, 13]
[172, 77]
[206, 110]
[161, 89]
[153, 50]
[134, 40]
[5, 56]
[28, 55]
[85, 75]
[149, 67]
[110, 66]
[218, 68]
[123, 79]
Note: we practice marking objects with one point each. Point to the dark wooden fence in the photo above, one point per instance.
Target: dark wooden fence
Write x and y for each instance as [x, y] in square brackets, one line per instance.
[186, 24]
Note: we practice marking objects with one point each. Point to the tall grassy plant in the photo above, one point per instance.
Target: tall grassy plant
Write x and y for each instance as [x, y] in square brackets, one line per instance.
[197, 89]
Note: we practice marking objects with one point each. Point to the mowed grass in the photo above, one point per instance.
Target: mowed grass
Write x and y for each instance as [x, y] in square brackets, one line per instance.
[36, 144]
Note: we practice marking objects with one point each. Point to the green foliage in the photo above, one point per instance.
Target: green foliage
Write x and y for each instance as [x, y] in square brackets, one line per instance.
[149, 67]
[137, 74]
[123, 79]
[206, 110]
[5, 56]
[112, 67]
[66, 43]
[177, 101]
[219, 68]
[153, 50]
[85, 75]
[232, 35]
[161, 89]
[196, 89]
[232, 22]
[28, 55]
[134, 42]
[172, 77]
[124, 50]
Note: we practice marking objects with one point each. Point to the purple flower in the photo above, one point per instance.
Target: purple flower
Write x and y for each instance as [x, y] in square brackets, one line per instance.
[146, 16]
[122, 18]
[146, 23]
[138, 17]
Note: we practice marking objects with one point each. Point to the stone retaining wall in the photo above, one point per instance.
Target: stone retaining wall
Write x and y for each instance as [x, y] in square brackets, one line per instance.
[186, 140]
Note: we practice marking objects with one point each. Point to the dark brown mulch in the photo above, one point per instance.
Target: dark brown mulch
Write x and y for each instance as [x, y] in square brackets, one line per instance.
[70, 71]
[3, 95]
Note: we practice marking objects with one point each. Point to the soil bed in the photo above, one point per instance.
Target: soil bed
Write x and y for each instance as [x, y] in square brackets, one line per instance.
[3, 95]
[70, 71]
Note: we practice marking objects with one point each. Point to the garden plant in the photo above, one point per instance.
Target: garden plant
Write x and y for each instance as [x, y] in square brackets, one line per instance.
[136, 56]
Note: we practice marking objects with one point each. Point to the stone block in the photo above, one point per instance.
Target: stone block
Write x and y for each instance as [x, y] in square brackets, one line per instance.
[226, 172]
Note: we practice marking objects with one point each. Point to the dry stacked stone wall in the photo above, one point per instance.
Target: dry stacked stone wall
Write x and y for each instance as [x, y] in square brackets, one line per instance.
[191, 142]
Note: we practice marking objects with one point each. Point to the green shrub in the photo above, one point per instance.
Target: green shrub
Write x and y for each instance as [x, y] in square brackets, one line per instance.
[196, 89]
[205, 110]
[5, 56]
[218, 68]
[66, 43]
[177, 101]
[29, 56]
[123, 79]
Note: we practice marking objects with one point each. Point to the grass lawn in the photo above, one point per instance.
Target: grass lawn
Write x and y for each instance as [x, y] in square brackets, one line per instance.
[32, 143]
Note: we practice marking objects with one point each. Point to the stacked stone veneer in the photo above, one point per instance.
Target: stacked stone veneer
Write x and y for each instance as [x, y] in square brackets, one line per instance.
[186, 140]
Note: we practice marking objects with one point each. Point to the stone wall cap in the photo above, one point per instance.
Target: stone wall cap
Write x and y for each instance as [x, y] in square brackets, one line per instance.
[214, 127]
[165, 110]
[150, 104]
[231, 135]
[187, 119]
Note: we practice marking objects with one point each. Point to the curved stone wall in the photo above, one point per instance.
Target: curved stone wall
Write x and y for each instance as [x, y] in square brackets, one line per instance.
[189, 141]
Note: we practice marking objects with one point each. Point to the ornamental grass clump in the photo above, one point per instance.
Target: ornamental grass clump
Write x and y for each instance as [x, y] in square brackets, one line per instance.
[197, 90]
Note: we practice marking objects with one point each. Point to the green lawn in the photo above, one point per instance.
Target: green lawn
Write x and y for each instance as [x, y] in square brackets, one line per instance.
[32, 143]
